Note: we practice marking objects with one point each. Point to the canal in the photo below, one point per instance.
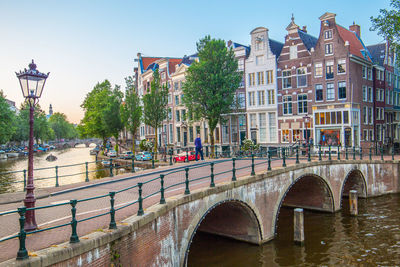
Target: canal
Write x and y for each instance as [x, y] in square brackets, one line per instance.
[46, 178]
[331, 239]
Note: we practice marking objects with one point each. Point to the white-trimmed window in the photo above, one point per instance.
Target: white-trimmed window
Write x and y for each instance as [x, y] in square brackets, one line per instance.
[329, 70]
[365, 135]
[287, 79]
[252, 100]
[270, 76]
[364, 72]
[330, 91]
[287, 105]
[261, 97]
[370, 94]
[318, 70]
[328, 49]
[301, 77]
[370, 116]
[365, 115]
[341, 66]
[369, 73]
[271, 97]
[263, 127]
[302, 103]
[241, 65]
[260, 78]
[364, 93]
[319, 94]
[328, 34]
[272, 126]
[342, 90]
[251, 78]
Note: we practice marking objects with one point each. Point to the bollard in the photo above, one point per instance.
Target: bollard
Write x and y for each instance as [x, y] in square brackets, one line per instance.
[170, 156]
[133, 164]
[360, 153]
[111, 168]
[24, 180]
[140, 211]
[381, 152]
[187, 191]
[22, 252]
[152, 160]
[283, 157]
[216, 151]
[187, 155]
[113, 224]
[353, 202]
[207, 155]
[298, 226]
[329, 153]
[252, 165]
[212, 184]
[346, 152]
[338, 153]
[297, 155]
[392, 153]
[319, 153]
[309, 153]
[74, 236]
[233, 170]
[87, 172]
[162, 199]
[269, 160]
[370, 153]
[57, 185]
[354, 153]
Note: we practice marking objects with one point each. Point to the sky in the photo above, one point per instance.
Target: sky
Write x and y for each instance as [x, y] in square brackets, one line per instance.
[82, 42]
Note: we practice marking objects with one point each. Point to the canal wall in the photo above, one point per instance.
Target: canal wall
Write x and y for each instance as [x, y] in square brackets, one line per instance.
[246, 210]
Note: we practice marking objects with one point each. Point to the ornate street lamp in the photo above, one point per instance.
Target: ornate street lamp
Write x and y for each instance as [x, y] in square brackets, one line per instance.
[32, 82]
[306, 121]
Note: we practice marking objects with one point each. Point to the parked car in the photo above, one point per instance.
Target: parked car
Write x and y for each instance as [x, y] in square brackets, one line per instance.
[143, 156]
[127, 155]
[112, 153]
[181, 157]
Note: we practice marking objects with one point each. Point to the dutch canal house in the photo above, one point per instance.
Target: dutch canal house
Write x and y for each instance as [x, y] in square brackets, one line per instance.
[261, 88]
[342, 80]
[295, 90]
[387, 94]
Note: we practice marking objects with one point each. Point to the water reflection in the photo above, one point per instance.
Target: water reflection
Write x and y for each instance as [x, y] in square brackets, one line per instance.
[372, 238]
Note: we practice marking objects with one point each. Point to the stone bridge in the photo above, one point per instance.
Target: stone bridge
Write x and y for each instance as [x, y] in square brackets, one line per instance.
[246, 210]
[74, 143]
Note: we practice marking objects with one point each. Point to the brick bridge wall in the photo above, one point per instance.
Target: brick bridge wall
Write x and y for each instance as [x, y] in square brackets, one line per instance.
[245, 210]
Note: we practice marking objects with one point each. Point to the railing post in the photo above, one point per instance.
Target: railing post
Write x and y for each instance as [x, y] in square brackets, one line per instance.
[140, 211]
[354, 153]
[162, 199]
[111, 168]
[381, 152]
[297, 155]
[338, 153]
[252, 165]
[133, 164]
[187, 191]
[152, 160]
[283, 157]
[56, 168]
[170, 156]
[212, 184]
[24, 180]
[207, 155]
[319, 153]
[370, 153]
[329, 153]
[233, 170]
[393, 153]
[113, 224]
[347, 153]
[22, 252]
[269, 160]
[187, 155]
[309, 152]
[74, 236]
[360, 153]
[87, 172]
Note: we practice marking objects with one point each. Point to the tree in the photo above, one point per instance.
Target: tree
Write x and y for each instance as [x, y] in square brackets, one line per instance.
[154, 104]
[61, 127]
[211, 83]
[388, 25]
[7, 120]
[131, 110]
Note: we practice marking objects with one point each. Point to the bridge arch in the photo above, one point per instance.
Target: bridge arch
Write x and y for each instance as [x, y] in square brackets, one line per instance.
[244, 223]
[355, 180]
[309, 191]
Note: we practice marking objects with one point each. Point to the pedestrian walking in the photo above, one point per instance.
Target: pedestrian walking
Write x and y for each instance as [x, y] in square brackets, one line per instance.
[199, 148]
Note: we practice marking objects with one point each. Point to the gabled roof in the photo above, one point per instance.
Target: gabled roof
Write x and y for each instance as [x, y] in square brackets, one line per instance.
[146, 61]
[357, 47]
[308, 40]
[188, 60]
[377, 53]
[276, 47]
[172, 62]
[237, 45]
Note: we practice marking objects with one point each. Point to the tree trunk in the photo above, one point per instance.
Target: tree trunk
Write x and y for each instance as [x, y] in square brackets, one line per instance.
[116, 145]
[212, 142]
[133, 143]
[155, 143]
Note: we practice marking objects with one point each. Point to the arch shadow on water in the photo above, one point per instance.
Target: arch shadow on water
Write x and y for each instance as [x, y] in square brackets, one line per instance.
[355, 180]
[216, 212]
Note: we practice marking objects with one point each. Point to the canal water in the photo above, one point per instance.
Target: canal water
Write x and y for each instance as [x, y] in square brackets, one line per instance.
[370, 239]
[46, 177]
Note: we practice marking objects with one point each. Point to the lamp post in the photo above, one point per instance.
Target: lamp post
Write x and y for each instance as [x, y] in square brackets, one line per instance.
[32, 83]
[306, 121]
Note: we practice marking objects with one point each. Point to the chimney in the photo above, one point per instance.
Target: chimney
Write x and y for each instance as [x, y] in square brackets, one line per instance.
[229, 43]
[304, 28]
[355, 28]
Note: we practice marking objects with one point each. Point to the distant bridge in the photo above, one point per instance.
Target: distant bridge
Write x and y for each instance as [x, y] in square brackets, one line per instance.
[76, 142]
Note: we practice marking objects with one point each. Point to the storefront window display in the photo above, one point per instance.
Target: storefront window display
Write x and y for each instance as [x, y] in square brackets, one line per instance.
[326, 137]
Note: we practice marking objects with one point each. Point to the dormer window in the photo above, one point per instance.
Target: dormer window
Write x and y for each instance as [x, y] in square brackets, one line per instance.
[328, 49]
[328, 34]
[259, 43]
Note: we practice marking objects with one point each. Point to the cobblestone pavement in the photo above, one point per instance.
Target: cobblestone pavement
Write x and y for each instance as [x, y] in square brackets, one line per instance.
[199, 177]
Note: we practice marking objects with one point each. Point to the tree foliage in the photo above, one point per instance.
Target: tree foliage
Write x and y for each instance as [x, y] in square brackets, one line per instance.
[131, 110]
[7, 120]
[154, 104]
[212, 82]
[61, 127]
[388, 25]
